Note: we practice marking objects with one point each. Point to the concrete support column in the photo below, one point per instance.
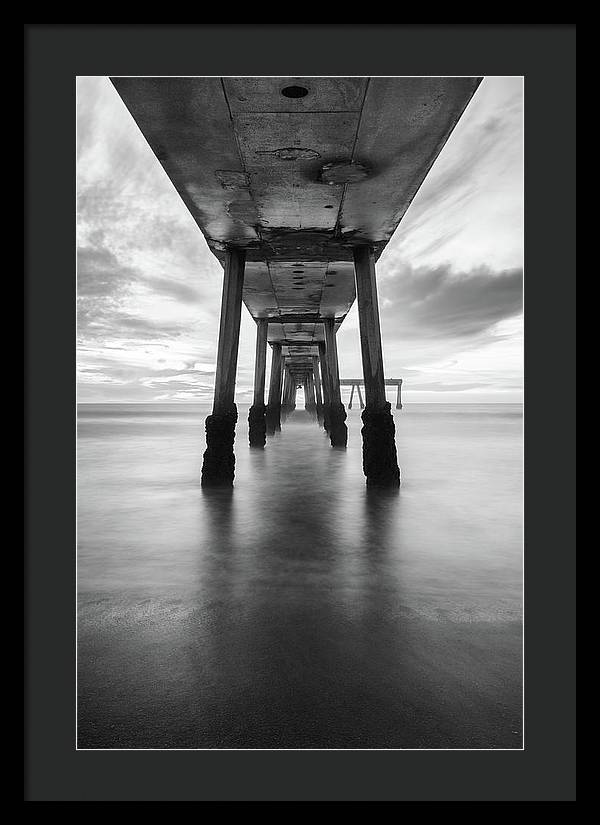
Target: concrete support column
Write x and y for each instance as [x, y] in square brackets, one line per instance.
[284, 387]
[218, 464]
[286, 397]
[257, 427]
[285, 393]
[291, 391]
[380, 461]
[311, 404]
[273, 416]
[338, 432]
[399, 396]
[318, 394]
[290, 388]
[326, 385]
[360, 398]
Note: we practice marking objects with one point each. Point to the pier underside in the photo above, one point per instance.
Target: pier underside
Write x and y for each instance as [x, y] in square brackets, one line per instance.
[298, 184]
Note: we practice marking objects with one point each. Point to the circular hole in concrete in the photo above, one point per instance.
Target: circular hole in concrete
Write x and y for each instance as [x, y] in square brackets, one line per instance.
[294, 91]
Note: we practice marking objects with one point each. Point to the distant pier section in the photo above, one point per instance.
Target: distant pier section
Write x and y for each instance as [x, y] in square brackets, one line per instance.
[355, 383]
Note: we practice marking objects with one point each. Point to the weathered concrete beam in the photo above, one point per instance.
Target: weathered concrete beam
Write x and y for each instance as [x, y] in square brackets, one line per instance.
[218, 464]
[300, 318]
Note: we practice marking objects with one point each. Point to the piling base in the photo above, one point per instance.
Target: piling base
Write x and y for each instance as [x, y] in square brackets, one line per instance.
[218, 465]
[311, 410]
[380, 460]
[320, 419]
[273, 419]
[338, 432]
[257, 426]
[285, 411]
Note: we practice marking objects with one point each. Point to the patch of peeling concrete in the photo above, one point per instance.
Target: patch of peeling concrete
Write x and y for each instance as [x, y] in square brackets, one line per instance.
[291, 153]
[231, 179]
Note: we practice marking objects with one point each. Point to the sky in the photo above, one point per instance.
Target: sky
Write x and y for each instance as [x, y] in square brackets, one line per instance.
[450, 281]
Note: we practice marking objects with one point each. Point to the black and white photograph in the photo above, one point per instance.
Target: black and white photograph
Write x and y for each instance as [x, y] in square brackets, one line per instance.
[300, 412]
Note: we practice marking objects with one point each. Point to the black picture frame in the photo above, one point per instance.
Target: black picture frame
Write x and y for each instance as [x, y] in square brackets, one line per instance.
[545, 55]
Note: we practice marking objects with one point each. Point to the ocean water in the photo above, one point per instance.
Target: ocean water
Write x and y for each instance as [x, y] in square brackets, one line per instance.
[299, 610]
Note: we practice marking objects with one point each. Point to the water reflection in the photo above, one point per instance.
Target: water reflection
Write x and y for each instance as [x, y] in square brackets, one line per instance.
[299, 609]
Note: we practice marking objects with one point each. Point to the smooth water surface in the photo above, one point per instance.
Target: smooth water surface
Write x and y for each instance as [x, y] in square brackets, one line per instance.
[300, 610]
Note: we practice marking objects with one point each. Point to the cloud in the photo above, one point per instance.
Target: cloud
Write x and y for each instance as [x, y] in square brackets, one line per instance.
[102, 321]
[107, 289]
[172, 289]
[100, 274]
[441, 303]
[439, 386]
[469, 208]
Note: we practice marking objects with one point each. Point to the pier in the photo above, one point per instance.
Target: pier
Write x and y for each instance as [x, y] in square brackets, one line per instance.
[355, 383]
[297, 185]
